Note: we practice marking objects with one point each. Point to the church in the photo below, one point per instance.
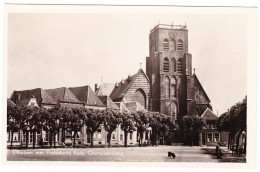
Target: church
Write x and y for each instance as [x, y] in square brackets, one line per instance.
[168, 86]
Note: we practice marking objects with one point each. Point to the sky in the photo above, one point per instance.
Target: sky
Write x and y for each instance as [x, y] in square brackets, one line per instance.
[50, 50]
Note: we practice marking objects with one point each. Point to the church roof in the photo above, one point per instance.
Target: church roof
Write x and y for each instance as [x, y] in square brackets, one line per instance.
[209, 115]
[86, 94]
[201, 87]
[122, 87]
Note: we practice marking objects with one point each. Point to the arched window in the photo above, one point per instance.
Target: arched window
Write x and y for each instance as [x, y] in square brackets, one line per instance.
[167, 87]
[173, 87]
[165, 44]
[180, 45]
[173, 110]
[166, 64]
[140, 97]
[179, 65]
[174, 64]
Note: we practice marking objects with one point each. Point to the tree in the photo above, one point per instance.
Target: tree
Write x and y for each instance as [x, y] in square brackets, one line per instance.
[234, 122]
[190, 127]
[93, 121]
[155, 124]
[13, 118]
[127, 125]
[141, 119]
[111, 120]
[77, 118]
[26, 114]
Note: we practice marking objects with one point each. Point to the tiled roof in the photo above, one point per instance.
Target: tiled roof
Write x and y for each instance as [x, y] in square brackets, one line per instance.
[85, 94]
[209, 115]
[108, 102]
[130, 106]
[10, 103]
[122, 87]
[62, 94]
[201, 86]
[23, 97]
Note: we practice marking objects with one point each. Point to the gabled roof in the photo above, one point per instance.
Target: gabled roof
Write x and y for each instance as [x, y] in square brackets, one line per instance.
[122, 87]
[209, 115]
[201, 87]
[23, 97]
[10, 103]
[62, 94]
[108, 102]
[85, 94]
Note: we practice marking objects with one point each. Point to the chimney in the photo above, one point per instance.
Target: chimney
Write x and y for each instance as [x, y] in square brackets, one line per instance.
[96, 87]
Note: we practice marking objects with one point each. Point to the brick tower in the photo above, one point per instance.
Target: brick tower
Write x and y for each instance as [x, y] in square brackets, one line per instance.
[169, 68]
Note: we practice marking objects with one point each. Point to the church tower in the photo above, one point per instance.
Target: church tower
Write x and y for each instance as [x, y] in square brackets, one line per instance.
[169, 68]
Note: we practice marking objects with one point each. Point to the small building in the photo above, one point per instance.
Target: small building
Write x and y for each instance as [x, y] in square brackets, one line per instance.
[209, 135]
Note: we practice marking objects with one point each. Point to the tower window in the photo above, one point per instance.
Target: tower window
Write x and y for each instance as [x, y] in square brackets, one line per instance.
[166, 44]
[166, 64]
[174, 64]
[167, 87]
[180, 45]
[179, 65]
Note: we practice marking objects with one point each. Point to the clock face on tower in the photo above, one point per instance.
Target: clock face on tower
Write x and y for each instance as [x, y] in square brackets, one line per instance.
[173, 34]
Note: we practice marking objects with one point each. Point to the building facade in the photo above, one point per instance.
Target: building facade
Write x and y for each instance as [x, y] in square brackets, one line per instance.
[175, 90]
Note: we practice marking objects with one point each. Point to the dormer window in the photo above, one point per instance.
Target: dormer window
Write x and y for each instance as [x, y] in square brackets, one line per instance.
[180, 45]
[166, 44]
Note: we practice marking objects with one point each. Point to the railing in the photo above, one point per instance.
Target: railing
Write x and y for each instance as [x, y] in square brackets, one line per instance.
[164, 26]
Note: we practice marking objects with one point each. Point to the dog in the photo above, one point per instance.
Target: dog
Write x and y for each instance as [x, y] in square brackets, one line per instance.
[171, 155]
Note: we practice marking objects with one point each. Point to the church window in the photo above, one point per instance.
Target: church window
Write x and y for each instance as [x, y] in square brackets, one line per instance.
[166, 64]
[174, 64]
[174, 44]
[180, 45]
[173, 90]
[167, 87]
[166, 44]
[179, 65]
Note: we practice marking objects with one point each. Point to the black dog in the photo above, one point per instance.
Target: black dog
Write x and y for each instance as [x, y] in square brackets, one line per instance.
[171, 155]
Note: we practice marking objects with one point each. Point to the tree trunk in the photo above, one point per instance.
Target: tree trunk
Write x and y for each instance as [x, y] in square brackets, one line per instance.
[237, 140]
[12, 134]
[27, 139]
[41, 139]
[54, 136]
[141, 138]
[34, 139]
[50, 141]
[74, 139]
[245, 145]
[126, 133]
[91, 139]
[109, 138]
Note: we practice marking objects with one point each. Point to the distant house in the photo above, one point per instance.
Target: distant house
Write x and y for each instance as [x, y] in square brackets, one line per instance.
[209, 135]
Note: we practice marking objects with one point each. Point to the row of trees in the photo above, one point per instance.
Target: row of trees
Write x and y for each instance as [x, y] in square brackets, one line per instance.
[31, 119]
[234, 121]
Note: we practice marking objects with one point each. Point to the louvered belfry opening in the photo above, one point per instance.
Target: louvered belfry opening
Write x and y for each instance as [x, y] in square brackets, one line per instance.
[166, 65]
[179, 65]
[180, 45]
[166, 44]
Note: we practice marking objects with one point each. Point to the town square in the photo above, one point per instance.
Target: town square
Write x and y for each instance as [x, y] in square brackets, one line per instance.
[157, 87]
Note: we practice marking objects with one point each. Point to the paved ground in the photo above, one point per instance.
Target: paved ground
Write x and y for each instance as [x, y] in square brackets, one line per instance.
[134, 154]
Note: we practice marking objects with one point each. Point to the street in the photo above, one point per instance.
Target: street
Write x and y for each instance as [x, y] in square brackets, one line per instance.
[129, 154]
